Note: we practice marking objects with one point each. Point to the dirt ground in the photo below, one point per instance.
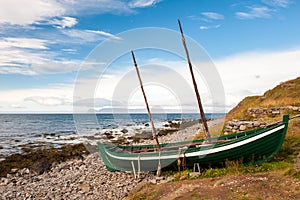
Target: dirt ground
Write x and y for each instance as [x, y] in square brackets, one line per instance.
[273, 185]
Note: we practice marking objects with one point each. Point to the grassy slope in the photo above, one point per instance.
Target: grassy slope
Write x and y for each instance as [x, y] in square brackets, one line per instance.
[285, 94]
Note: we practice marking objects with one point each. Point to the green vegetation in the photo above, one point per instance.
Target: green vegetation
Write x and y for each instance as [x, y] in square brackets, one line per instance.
[285, 94]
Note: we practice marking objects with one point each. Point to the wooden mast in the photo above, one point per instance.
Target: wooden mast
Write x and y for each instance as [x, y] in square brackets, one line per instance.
[145, 98]
[204, 123]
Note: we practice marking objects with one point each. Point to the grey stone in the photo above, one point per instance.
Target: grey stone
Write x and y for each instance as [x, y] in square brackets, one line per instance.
[184, 177]
[242, 127]
[14, 170]
[256, 123]
[195, 174]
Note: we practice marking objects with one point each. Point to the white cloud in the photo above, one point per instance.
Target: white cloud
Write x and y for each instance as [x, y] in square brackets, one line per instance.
[277, 3]
[24, 56]
[250, 73]
[50, 66]
[54, 98]
[142, 3]
[213, 15]
[253, 73]
[17, 106]
[245, 74]
[210, 27]
[255, 12]
[204, 27]
[48, 100]
[31, 43]
[16, 70]
[103, 33]
[64, 22]
[16, 12]
[27, 12]
[89, 35]
[28, 62]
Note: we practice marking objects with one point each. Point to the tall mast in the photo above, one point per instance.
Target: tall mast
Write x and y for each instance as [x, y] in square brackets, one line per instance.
[204, 123]
[146, 102]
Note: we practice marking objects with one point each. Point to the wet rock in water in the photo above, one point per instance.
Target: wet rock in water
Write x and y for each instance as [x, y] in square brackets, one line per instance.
[124, 130]
[51, 155]
[174, 124]
[107, 133]
[119, 140]
[110, 137]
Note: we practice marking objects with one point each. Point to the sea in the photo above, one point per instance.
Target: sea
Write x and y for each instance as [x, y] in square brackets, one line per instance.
[19, 132]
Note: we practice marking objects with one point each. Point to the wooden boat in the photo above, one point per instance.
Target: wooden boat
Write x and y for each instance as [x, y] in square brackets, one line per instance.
[253, 146]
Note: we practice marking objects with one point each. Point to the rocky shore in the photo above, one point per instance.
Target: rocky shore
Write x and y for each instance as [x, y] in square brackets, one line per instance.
[186, 131]
[82, 177]
[85, 178]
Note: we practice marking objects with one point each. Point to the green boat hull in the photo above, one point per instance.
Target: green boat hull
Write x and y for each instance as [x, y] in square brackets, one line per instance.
[253, 146]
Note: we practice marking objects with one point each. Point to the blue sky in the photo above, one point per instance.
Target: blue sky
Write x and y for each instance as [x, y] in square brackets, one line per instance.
[254, 45]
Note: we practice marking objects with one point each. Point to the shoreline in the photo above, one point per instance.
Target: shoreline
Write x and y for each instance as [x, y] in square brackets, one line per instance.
[79, 175]
[73, 179]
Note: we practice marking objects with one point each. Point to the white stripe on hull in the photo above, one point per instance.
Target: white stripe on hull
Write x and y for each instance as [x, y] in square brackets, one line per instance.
[200, 152]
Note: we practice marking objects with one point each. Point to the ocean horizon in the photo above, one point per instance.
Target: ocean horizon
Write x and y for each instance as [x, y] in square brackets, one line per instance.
[40, 130]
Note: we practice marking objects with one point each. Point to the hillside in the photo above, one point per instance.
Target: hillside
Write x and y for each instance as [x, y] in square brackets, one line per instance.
[283, 99]
[278, 179]
[283, 95]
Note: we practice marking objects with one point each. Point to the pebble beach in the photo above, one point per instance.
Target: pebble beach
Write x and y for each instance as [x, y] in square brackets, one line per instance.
[83, 178]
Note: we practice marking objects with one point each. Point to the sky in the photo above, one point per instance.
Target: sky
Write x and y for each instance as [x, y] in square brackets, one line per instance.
[54, 57]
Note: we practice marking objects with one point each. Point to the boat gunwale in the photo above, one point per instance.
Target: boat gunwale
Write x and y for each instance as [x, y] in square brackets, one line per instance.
[240, 137]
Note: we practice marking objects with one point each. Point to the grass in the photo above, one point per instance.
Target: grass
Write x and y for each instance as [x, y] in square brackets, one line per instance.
[149, 194]
[282, 163]
[285, 94]
[284, 160]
